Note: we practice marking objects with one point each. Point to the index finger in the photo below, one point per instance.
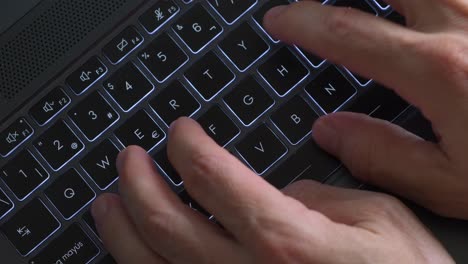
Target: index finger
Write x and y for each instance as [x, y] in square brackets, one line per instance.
[236, 196]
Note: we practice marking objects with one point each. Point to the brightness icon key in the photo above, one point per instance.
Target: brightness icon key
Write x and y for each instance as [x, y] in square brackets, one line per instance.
[14, 135]
[122, 45]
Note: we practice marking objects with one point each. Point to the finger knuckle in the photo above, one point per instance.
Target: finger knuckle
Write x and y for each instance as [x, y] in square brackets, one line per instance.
[384, 207]
[447, 56]
[203, 166]
[278, 236]
[159, 224]
[341, 22]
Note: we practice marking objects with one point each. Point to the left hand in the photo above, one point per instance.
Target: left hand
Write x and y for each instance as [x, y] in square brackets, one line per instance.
[308, 223]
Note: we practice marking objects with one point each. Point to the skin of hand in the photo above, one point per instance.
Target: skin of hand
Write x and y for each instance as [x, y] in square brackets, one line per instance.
[305, 223]
[426, 63]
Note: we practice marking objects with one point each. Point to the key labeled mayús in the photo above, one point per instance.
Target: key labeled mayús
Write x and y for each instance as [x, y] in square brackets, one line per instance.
[72, 246]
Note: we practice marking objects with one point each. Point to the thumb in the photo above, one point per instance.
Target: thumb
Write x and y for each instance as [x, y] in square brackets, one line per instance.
[385, 155]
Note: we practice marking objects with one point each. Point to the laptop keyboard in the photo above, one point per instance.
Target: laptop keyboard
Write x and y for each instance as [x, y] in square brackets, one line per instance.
[210, 60]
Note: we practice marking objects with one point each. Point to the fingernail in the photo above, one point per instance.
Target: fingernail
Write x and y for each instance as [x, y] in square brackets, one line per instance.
[99, 209]
[275, 11]
[325, 134]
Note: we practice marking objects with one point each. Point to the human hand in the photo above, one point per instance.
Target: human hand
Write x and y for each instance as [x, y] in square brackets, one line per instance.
[308, 223]
[426, 63]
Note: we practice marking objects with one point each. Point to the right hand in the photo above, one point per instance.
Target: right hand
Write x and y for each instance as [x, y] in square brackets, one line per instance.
[425, 63]
[306, 223]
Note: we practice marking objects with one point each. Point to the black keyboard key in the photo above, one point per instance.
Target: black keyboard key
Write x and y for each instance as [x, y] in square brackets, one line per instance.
[261, 149]
[174, 102]
[379, 102]
[140, 130]
[295, 119]
[93, 116]
[283, 71]
[197, 28]
[209, 76]
[58, 145]
[69, 193]
[309, 162]
[122, 45]
[231, 10]
[14, 136]
[190, 202]
[31, 226]
[128, 86]
[100, 165]
[249, 101]
[243, 46]
[73, 246]
[158, 15]
[107, 259]
[395, 17]
[360, 5]
[382, 4]
[219, 126]
[163, 57]
[50, 106]
[164, 164]
[88, 74]
[260, 13]
[6, 205]
[89, 220]
[23, 174]
[330, 90]
[314, 60]
[362, 81]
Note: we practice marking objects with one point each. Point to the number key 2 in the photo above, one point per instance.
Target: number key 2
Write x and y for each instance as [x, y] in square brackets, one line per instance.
[197, 28]
[58, 145]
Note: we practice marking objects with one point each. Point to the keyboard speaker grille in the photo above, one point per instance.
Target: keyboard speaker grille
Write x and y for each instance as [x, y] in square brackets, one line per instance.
[48, 38]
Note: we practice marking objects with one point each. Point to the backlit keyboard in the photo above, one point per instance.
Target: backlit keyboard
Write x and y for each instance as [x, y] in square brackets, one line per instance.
[209, 59]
